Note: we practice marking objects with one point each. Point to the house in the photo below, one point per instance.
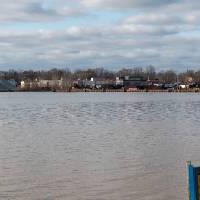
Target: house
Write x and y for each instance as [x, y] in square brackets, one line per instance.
[134, 82]
[23, 84]
[94, 83]
[49, 83]
[105, 84]
[84, 83]
[119, 82]
[41, 84]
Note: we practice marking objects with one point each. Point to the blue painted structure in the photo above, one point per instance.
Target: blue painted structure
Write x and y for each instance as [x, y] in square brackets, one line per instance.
[193, 181]
[7, 86]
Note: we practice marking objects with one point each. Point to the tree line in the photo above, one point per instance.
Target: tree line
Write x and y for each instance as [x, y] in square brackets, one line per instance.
[149, 73]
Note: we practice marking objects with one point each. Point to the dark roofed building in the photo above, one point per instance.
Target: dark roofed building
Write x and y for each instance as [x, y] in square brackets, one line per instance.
[134, 82]
[7, 86]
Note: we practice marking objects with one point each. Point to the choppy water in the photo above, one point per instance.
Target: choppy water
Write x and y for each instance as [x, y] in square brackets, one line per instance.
[100, 146]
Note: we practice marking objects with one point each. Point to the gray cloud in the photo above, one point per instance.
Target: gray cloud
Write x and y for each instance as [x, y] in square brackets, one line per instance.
[162, 33]
[35, 11]
[91, 47]
[127, 3]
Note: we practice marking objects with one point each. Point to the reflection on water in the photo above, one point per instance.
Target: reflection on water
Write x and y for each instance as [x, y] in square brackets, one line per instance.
[97, 146]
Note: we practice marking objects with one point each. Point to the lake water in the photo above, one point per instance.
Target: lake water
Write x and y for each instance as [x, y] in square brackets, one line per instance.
[97, 146]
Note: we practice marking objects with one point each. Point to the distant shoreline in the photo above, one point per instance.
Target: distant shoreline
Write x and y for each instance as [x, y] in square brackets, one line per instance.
[131, 90]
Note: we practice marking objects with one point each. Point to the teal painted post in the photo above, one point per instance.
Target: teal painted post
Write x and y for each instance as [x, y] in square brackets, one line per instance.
[192, 181]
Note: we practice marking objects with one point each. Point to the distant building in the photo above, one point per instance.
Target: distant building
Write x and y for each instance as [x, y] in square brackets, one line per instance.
[49, 83]
[119, 81]
[134, 82]
[41, 84]
[7, 85]
[84, 83]
[23, 84]
[95, 83]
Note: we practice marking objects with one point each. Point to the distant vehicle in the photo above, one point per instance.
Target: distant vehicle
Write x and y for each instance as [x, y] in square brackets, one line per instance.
[169, 86]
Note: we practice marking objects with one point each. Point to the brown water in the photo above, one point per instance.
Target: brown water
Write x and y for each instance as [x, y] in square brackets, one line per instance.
[100, 146]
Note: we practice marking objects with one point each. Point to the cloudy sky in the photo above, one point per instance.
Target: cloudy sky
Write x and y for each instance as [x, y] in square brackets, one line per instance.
[41, 34]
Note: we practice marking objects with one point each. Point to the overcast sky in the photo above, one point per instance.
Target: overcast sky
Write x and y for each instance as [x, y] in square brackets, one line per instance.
[41, 34]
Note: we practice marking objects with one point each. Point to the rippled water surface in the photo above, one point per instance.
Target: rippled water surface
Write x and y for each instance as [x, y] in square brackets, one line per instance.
[100, 146]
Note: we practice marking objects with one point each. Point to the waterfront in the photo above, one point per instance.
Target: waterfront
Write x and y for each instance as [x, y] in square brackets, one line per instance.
[105, 146]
